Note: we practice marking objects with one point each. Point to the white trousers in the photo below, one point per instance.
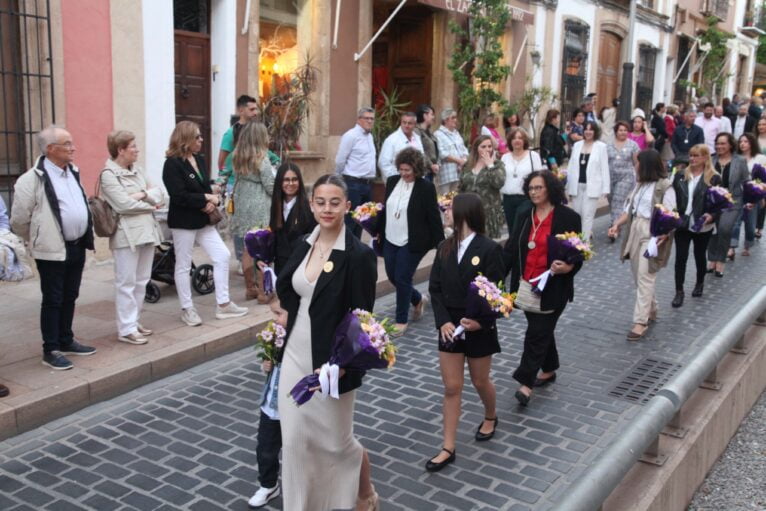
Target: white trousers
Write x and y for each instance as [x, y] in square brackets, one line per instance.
[211, 242]
[132, 270]
[586, 207]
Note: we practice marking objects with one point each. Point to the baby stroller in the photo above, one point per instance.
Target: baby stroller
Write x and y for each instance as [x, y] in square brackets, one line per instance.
[163, 269]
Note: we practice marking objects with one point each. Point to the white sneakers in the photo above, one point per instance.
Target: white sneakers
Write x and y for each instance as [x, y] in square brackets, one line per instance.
[190, 317]
[230, 311]
[134, 338]
[263, 496]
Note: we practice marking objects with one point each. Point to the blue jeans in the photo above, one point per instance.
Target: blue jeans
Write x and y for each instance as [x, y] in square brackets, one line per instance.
[400, 268]
[239, 246]
[358, 193]
[748, 216]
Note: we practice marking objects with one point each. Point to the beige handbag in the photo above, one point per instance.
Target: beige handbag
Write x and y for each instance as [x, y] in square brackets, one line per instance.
[527, 300]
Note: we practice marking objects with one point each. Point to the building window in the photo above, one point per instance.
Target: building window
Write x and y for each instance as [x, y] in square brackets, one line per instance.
[278, 42]
[191, 16]
[574, 67]
[647, 59]
[684, 45]
[649, 4]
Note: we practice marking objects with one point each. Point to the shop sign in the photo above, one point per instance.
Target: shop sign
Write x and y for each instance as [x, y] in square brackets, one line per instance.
[462, 6]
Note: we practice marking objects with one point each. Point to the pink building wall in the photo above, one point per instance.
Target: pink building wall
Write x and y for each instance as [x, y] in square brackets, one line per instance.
[87, 63]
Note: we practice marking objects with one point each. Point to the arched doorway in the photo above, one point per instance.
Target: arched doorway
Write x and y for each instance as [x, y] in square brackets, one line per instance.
[609, 52]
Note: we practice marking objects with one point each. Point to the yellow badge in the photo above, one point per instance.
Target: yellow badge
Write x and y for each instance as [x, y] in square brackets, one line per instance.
[328, 266]
[475, 260]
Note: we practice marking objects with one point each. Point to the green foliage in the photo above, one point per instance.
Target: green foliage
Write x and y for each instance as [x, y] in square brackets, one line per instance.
[530, 103]
[387, 117]
[761, 55]
[477, 62]
[712, 77]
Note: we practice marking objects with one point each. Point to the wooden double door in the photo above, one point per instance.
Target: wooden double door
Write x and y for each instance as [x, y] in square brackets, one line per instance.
[609, 61]
[192, 83]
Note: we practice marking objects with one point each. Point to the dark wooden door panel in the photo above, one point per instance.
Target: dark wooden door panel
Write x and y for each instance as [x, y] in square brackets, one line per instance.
[608, 69]
[192, 83]
[409, 55]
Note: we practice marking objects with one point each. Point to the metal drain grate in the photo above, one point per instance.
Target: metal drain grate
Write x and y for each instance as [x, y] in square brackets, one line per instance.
[645, 379]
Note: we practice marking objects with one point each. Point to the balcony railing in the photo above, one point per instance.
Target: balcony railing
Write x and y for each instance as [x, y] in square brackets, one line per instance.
[717, 8]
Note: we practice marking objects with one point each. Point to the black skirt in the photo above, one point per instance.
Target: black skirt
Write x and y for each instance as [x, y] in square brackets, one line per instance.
[480, 343]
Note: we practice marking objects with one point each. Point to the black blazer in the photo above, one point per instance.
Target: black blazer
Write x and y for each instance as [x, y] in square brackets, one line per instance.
[698, 200]
[449, 281]
[677, 141]
[560, 288]
[552, 145]
[424, 222]
[350, 285]
[187, 192]
[286, 238]
[659, 130]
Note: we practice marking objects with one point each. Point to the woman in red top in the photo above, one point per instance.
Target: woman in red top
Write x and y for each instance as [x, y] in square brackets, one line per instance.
[526, 254]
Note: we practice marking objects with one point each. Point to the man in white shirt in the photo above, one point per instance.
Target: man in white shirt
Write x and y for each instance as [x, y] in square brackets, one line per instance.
[405, 136]
[50, 197]
[710, 125]
[725, 122]
[743, 123]
[355, 161]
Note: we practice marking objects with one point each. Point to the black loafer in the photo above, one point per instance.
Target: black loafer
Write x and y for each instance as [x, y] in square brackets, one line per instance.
[78, 349]
[697, 290]
[432, 466]
[483, 437]
[522, 398]
[710, 270]
[542, 382]
[678, 300]
[719, 274]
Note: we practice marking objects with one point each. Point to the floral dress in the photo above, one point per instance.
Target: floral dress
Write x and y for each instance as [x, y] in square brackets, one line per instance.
[622, 175]
[252, 199]
[487, 184]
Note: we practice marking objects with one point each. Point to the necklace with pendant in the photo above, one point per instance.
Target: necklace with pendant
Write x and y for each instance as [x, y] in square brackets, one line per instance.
[398, 211]
[531, 245]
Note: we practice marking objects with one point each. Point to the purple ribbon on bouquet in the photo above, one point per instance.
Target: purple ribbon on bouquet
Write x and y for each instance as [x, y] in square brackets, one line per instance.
[260, 245]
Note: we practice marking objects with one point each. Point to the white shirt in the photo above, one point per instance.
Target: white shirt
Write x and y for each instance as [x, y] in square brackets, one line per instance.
[356, 154]
[725, 124]
[517, 170]
[739, 126]
[397, 232]
[692, 185]
[270, 394]
[287, 207]
[641, 200]
[463, 246]
[394, 143]
[74, 209]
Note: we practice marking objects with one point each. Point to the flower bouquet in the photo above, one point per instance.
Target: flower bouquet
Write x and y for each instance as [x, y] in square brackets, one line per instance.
[269, 341]
[717, 199]
[260, 245]
[569, 247]
[445, 201]
[759, 173]
[663, 221]
[367, 215]
[361, 343]
[753, 191]
[486, 301]
[561, 174]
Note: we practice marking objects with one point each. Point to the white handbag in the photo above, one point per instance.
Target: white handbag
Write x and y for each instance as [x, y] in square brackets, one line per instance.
[527, 300]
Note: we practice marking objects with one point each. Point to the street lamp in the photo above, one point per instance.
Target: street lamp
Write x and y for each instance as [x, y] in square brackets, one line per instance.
[626, 88]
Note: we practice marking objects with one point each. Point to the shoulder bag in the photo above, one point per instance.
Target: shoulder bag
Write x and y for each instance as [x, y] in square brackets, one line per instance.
[527, 300]
[105, 220]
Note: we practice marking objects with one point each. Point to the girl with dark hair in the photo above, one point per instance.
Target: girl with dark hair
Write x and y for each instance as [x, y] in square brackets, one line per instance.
[484, 175]
[653, 187]
[511, 121]
[459, 259]
[329, 273]
[749, 150]
[733, 170]
[552, 146]
[575, 128]
[526, 255]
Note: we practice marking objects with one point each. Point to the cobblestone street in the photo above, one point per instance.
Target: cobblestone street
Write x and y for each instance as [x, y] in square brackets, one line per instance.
[188, 441]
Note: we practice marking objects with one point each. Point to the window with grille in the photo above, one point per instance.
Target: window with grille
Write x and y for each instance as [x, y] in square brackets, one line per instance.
[26, 86]
[574, 67]
[647, 59]
[684, 46]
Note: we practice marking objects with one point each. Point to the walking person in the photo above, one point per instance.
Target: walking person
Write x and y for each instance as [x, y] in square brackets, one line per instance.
[749, 150]
[552, 146]
[355, 162]
[622, 153]
[484, 175]
[425, 118]
[761, 135]
[690, 187]
[588, 176]
[459, 259]
[247, 110]
[640, 134]
[711, 126]
[125, 187]
[252, 198]
[733, 170]
[192, 201]
[410, 226]
[329, 273]
[652, 187]
[686, 136]
[526, 257]
[658, 127]
[519, 163]
[576, 126]
[50, 198]
[453, 153]
[489, 128]
[405, 136]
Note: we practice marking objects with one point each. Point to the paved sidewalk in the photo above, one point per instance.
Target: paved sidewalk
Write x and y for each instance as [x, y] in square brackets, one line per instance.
[187, 442]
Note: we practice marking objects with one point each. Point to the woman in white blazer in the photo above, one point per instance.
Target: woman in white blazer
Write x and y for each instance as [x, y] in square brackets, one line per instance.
[588, 175]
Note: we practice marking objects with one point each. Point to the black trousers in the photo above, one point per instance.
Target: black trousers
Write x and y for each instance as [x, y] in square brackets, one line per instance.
[539, 347]
[60, 286]
[759, 220]
[267, 451]
[684, 238]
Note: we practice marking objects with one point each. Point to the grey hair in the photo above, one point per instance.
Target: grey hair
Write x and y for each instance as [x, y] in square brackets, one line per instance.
[47, 137]
[364, 110]
[446, 113]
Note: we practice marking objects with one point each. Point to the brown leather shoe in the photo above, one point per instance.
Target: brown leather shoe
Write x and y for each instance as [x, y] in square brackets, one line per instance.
[4, 390]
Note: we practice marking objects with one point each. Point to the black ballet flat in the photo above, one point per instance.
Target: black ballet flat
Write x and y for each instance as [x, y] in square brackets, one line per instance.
[710, 270]
[522, 398]
[483, 437]
[542, 382]
[432, 466]
[719, 274]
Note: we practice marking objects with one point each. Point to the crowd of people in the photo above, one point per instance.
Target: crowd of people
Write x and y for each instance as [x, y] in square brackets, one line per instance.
[502, 185]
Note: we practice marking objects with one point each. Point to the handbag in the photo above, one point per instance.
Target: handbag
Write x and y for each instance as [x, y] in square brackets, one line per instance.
[230, 200]
[527, 300]
[214, 216]
[105, 220]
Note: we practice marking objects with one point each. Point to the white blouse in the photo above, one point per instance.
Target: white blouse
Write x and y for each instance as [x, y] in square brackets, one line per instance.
[641, 200]
[396, 213]
[463, 246]
[517, 170]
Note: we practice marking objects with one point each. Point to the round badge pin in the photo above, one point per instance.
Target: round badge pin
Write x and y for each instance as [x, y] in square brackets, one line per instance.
[475, 260]
[328, 266]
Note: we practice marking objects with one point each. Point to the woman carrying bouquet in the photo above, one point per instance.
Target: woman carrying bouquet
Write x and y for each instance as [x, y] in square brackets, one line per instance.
[690, 187]
[749, 150]
[733, 170]
[328, 274]
[526, 257]
[484, 175]
[410, 226]
[459, 259]
[652, 187]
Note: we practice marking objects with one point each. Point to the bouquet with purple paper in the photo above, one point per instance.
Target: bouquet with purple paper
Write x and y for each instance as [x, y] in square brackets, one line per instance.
[269, 341]
[260, 245]
[361, 343]
[569, 247]
[753, 192]
[486, 301]
[367, 215]
[759, 173]
[663, 222]
[717, 199]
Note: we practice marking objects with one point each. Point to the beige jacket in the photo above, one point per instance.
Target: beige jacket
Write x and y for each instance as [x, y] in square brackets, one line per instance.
[136, 225]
